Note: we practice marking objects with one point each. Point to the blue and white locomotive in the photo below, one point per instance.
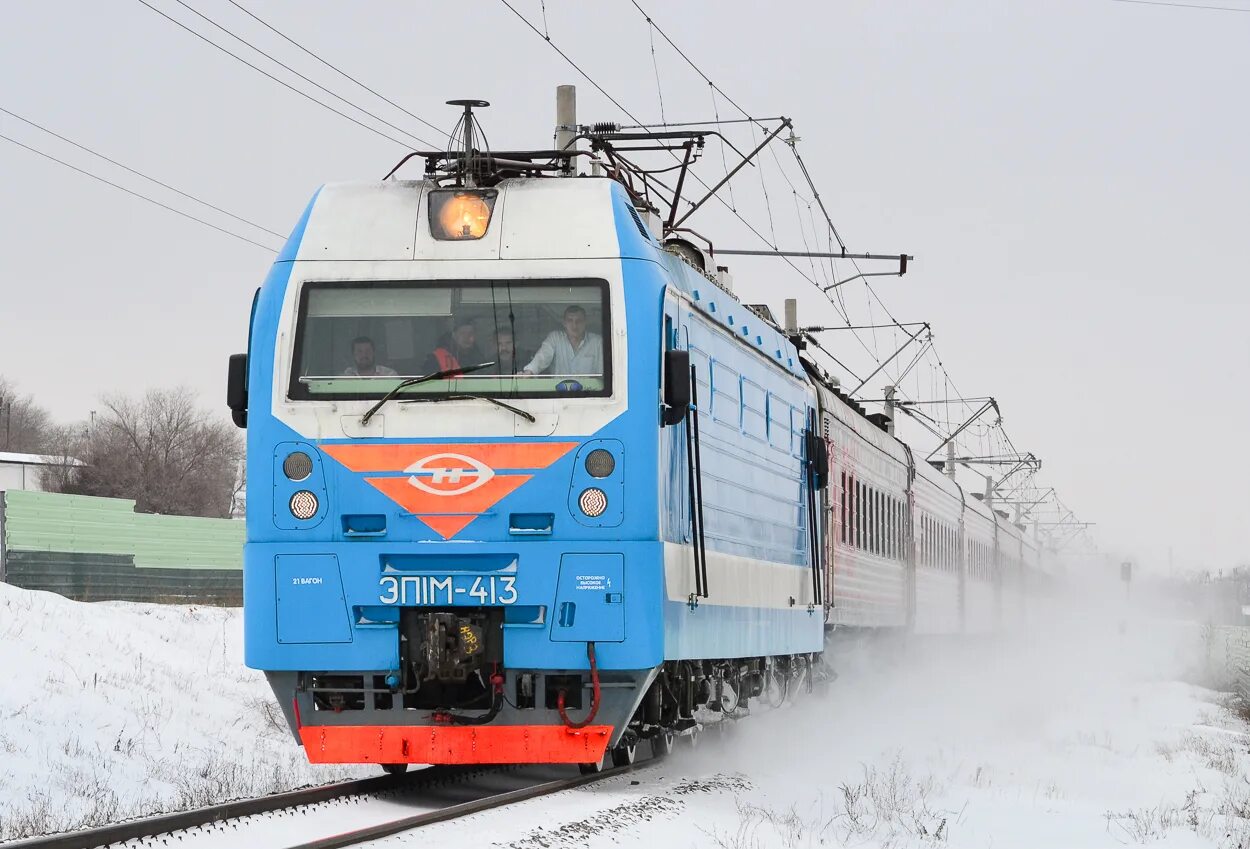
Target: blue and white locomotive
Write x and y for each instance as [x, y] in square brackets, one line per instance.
[528, 484]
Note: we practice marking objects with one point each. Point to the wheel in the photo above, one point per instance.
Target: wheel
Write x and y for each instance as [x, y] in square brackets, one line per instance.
[662, 745]
[593, 768]
[625, 754]
[394, 769]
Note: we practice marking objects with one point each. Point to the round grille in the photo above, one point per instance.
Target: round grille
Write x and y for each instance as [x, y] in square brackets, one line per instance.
[297, 466]
[600, 463]
[303, 505]
[593, 502]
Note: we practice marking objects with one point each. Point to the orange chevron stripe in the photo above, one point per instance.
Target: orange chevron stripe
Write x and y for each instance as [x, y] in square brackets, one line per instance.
[433, 509]
[497, 455]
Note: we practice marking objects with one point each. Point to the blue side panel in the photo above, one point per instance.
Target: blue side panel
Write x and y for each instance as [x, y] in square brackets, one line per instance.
[712, 630]
[590, 599]
[310, 601]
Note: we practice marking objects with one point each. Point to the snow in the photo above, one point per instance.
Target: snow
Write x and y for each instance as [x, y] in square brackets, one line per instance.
[115, 710]
[1075, 735]
[1079, 732]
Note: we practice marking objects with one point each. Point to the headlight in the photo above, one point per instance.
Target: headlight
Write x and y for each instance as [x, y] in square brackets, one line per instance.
[304, 504]
[600, 463]
[592, 501]
[297, 466]
[458, 215]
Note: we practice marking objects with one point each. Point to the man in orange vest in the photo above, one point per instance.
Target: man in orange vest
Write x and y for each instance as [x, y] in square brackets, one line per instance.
[457, 349]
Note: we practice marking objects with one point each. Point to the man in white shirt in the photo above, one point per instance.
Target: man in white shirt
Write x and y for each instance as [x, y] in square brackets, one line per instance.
[364, 364]
[571, 351]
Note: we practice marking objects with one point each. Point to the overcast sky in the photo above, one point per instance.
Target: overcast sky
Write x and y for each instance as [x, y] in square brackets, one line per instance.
[1070, 174]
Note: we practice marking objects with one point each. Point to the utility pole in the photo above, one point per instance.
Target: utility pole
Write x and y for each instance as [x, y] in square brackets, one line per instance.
[566, 120]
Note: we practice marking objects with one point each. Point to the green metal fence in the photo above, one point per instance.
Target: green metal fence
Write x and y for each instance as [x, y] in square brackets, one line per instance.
[100, 549]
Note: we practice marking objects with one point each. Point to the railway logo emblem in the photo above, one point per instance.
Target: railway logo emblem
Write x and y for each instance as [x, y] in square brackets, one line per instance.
[449, 474]
[448, 486]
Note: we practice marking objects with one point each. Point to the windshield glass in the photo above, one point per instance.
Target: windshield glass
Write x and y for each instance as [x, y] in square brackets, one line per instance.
[546, 338]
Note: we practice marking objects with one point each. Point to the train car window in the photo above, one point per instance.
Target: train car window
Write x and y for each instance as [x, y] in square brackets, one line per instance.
[894, 528]
[889, 531]
[872, 520]
[898, 523]
[860, 510]
[888, 534]
[545, 338]
[879, 525]
[844, 506]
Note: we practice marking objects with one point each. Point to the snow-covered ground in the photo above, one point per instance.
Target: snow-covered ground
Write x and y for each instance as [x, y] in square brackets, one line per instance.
[1076, 734]
[109, 711]
[1079, 738]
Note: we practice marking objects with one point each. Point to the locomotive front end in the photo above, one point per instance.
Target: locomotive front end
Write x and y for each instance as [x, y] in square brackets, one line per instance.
[452, 551]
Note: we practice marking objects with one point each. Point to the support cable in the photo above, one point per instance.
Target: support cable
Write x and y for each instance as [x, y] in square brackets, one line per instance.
[282, 82]
[659, 90]
[339, 70]
[303, 77]
[139, 195]
[127, 168]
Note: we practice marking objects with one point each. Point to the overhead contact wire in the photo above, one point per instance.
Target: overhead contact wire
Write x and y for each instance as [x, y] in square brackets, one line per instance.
[282, 82]
[139, 195]
[335, 68]
[127, 168]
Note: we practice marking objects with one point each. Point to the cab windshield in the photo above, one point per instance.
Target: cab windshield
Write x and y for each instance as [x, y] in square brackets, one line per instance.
[543, 338]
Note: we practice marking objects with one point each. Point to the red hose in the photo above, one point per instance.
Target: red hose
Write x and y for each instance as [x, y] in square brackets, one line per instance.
[594, 699]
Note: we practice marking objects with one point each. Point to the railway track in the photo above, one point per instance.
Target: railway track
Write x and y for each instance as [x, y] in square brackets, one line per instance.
[344, 814]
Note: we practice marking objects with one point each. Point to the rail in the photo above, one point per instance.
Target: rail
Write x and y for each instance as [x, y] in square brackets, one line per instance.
[170, 824]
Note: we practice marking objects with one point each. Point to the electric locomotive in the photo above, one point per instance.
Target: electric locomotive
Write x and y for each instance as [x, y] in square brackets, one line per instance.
[526, 483]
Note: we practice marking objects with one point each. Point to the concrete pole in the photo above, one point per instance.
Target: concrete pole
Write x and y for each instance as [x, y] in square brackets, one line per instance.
[792, 317]
[950, 459]
[889, 409]
[566, 119]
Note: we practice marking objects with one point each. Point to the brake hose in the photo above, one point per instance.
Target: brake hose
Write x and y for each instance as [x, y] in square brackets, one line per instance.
[594, 699]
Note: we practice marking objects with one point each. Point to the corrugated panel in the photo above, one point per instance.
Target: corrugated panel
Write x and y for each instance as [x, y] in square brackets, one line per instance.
[43, 521]
[111, 577]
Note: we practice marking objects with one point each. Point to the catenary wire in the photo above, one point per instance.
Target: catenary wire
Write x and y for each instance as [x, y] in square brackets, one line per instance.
[634, 118]
[163, 185]
[303, 77]
[139, 195]
[332, 66]
[280, 82]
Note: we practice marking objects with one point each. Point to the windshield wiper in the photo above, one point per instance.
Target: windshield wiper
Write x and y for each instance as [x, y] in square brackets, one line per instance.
[413, 381]
[435, 399]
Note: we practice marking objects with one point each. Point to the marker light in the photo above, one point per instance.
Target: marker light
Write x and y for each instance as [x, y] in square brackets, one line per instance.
[303, 505]
[458, 215]
[297, 466]
[593, 502]
[600, 463]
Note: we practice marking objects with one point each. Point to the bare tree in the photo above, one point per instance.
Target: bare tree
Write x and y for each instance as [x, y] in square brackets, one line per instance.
[161, 450]
[24, 425]
[64, 445]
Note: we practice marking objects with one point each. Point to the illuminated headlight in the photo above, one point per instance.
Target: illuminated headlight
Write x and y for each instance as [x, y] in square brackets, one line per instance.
[303, 505]
[458, 215]
[593, 502]
[297, 466]
[600, 463]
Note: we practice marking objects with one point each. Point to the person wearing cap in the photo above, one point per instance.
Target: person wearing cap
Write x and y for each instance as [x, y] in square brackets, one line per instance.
[457, 349]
